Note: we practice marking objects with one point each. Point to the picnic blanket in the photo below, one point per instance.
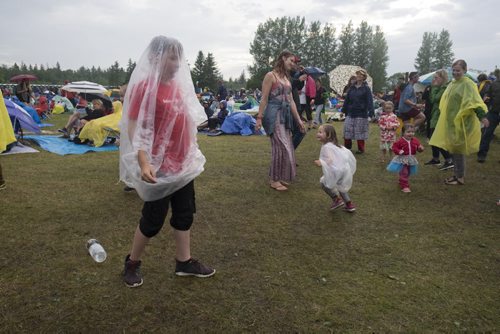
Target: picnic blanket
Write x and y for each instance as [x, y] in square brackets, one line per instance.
[62, 146]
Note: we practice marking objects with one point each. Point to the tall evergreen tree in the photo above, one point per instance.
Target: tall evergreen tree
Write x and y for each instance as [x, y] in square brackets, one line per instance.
[210, 74]
[346, 54]
[425, 56]
[363, 45]
[378, 61]
[443, 55]
[197, 71]
[130, 68]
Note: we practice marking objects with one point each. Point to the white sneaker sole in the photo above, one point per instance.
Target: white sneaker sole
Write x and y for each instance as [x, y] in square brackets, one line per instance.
[183, 274]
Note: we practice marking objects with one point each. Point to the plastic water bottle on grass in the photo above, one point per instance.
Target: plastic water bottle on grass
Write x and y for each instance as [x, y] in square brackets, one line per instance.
[96, 250]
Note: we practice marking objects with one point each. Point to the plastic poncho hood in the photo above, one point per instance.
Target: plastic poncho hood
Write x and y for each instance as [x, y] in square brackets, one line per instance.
[160, 115]
[458, 129]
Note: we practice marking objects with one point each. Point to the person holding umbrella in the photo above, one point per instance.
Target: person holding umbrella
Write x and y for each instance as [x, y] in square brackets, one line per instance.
[23, 91]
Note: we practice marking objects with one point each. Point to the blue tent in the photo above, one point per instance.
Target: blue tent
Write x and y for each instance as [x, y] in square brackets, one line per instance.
[21, 117]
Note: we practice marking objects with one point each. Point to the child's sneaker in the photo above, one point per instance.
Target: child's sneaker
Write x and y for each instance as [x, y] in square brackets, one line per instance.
[337, 203]
[350, 207]
[406, 190]
[193, 267]
[132, 273]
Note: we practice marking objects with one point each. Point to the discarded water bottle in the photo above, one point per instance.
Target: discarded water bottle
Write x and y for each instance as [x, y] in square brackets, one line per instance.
[96, 250]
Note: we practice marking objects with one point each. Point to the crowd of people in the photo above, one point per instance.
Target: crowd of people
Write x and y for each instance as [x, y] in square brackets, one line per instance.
[160, 157]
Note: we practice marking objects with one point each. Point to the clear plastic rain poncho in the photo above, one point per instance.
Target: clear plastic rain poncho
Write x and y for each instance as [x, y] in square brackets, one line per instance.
[339, 165]
[160, 115]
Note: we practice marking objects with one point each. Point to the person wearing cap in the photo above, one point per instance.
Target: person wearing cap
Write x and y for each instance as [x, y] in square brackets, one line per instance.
[408, 106]
[358, 105]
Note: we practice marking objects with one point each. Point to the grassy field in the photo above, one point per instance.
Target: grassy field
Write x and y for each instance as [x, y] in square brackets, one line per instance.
[421, 262]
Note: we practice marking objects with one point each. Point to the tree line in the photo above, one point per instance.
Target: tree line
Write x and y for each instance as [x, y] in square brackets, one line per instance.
[315, 43]
[113, 76]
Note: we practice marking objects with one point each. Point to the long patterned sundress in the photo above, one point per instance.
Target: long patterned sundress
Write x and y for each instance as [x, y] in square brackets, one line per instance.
[277, 122]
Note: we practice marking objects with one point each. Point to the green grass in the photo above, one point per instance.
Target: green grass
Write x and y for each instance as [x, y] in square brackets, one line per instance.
[423, 262]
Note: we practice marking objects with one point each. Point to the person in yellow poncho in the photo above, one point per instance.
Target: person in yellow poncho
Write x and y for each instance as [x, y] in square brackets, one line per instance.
[6, 134]
[97, 129]
[458, 129]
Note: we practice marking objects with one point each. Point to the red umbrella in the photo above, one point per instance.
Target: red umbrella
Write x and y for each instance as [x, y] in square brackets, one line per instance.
[22, 77]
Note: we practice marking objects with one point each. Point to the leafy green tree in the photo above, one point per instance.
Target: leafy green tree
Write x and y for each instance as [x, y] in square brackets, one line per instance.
[363, 45]
[319, 46]
[378, 61]
[272, 37]
[346, 52]
[443, 55]
[425, 56]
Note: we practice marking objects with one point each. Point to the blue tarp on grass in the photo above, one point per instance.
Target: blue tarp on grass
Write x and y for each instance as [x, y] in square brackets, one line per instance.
[61, 146]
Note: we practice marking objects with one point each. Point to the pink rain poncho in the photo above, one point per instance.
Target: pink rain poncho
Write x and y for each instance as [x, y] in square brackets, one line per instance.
[160, 116]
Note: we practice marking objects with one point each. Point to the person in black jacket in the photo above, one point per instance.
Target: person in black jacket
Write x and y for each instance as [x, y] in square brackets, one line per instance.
[298, 78]
[492, 100]
[358, 105]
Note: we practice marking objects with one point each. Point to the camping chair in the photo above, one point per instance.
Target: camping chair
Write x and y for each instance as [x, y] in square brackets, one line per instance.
[112, 135]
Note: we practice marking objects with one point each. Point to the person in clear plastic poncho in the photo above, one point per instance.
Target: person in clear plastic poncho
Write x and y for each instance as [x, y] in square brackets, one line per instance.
[458, 129]
[159, 155]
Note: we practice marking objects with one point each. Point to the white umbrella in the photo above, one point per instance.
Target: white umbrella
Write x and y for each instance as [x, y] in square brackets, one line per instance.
[84, 87]
[340, 75]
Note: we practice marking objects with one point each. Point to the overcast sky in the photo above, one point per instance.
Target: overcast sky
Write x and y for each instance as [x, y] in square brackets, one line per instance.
[99, 32]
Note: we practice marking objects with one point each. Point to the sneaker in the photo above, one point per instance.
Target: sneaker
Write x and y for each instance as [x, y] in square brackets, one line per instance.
[432, 162]
[128, 189]
[193, 267]
[350, 207]
[481, 159]
[132, 273]
[64, 131]
[406, 190]
[446, 165]
[3, 186]
[360, 152]
[337, 203]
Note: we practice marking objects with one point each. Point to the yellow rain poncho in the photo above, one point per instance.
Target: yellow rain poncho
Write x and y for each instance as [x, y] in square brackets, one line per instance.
[95, 130]
[6, 131]
[458, 129]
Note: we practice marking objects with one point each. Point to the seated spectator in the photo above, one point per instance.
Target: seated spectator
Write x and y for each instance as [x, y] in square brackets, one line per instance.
[42, 106]
[76, 122]
[217, 121]
[209, 112]
[250, 103]
[97, 131]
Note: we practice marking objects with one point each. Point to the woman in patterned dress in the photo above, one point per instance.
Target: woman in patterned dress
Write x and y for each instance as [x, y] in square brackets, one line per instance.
[276, 110]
